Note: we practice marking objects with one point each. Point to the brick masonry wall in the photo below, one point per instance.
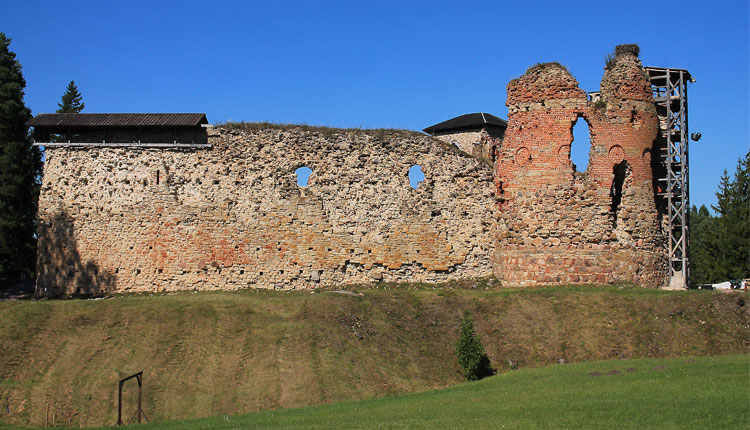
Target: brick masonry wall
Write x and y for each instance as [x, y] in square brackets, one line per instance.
[120, 219]
[123, 219]
[556, 225]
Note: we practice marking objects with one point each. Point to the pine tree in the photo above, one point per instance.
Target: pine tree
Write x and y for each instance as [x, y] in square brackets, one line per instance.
[703, 234]
[20, 166]
[736, 221]
[471, 357]
[729, 240]
[72, 101]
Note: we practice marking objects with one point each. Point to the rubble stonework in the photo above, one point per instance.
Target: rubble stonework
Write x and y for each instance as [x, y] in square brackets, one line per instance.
[482, 143]
[558, 226]
[233, 216]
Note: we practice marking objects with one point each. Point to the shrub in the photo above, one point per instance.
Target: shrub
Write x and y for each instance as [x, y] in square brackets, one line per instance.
[542, 66]
[474, 362]
[609, 61]
[628, 48]
[631, 48]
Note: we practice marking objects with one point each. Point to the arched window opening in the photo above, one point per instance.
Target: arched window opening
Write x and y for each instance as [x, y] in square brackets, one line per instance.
[581, 146]
[303, 176]
[619, 173]
[415, 175]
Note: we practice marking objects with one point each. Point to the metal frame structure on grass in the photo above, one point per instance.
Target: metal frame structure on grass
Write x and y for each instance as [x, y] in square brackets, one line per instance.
[670, 95]
[139, 411]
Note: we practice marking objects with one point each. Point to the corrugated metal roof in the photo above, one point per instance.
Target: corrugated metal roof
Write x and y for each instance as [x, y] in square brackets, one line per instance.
[118, 120]
[467, 121]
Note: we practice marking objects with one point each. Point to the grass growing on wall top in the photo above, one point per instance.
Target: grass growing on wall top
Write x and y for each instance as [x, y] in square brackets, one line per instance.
[383, 134]
[324, 130]
[543, 66]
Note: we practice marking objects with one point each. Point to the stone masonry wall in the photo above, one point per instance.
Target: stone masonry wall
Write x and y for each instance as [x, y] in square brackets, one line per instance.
[464, 140]
[558, 226]
[481, 143]
[124, 219]
[232, 216]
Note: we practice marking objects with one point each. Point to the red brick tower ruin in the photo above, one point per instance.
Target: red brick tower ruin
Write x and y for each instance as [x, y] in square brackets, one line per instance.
[559, 226]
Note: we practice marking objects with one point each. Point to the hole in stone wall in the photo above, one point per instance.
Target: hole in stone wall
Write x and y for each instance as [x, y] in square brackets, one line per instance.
[157, 177]
[303, 176]
[581, 145]
[415, 176]
[619, 172]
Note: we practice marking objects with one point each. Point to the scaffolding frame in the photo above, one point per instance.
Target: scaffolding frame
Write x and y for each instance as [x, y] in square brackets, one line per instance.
[670, 96]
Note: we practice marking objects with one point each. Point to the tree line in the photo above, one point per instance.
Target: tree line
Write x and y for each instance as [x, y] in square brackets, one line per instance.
[20, 168]
[720, 245]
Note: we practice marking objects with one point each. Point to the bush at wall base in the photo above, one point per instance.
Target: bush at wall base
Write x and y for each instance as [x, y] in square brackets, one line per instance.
[470, 351]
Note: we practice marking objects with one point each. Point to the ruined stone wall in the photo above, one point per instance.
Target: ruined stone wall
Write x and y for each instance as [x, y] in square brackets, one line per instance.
[481, 143]
[233, 216]
[464, 140]
[558, 226]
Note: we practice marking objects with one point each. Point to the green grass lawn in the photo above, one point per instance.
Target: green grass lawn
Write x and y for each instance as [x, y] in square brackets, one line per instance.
[213, 353]
[679, 393]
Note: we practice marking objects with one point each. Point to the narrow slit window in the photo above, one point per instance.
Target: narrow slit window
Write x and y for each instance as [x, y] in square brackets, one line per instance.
[581, 145]
[619, 173]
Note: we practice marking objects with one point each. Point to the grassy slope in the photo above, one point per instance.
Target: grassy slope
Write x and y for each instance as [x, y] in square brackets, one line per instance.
[205, 354]
[644, 394]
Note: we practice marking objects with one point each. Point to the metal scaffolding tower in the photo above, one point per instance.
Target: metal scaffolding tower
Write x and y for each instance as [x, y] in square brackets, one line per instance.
[671, 167]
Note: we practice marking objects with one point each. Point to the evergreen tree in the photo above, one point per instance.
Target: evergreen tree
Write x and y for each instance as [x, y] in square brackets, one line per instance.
[742, 216]
[738, 221]
[20, 166]
[474, 362]
[703, 243]
[72, 101]
[720, 246]
[733, 226]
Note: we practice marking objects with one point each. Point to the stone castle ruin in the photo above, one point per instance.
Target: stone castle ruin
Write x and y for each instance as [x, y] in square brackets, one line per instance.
[163, 202]
[479, 134]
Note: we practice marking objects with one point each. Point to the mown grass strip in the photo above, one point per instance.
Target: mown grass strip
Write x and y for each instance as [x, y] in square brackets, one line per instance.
[211, 353]
[679, 393]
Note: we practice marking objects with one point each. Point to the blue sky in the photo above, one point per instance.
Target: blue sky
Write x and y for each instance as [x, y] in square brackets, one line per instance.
[376, 64]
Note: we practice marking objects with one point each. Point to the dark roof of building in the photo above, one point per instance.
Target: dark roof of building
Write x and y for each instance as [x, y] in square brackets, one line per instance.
[118, 120]
[469, 121]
